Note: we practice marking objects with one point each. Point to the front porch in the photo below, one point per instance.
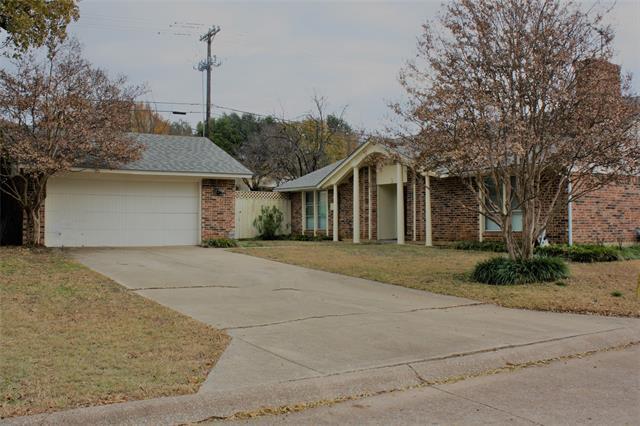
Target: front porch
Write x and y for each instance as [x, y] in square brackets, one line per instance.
[371, 196]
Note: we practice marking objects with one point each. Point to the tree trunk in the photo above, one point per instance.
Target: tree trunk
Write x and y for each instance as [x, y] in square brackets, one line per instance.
[32, 227]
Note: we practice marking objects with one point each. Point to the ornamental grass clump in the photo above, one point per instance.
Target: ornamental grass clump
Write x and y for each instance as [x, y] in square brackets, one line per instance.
[504, 271]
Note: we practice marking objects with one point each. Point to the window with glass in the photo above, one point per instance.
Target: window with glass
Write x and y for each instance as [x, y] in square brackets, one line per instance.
[322, 210]
[496, 196]
[308, 210]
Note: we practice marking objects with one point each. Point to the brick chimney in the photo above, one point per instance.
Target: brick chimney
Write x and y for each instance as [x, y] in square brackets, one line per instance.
[597, 78]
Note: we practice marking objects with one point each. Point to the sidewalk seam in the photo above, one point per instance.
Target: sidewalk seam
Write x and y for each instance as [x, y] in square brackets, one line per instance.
[486, 405]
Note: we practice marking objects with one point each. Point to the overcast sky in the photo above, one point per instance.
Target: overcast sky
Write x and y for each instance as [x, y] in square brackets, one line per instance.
[276, 55]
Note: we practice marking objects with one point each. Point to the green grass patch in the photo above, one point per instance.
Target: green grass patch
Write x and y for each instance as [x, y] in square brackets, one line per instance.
[504, 271]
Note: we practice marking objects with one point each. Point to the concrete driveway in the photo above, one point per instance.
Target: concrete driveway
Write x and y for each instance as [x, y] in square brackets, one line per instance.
[290, 323]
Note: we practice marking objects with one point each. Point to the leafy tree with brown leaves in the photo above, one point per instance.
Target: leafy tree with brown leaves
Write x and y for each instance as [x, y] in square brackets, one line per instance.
[56, 114]
[519, 99]
[34, 23]
[144, 119]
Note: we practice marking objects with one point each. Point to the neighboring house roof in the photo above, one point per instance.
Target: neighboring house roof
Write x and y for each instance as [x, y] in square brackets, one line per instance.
[183, 154]
[310, 180]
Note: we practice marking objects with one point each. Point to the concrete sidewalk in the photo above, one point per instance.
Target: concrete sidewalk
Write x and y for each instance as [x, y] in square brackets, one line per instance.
[600, 389]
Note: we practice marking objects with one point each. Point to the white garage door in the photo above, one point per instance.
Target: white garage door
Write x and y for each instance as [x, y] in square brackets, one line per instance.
[118, 211]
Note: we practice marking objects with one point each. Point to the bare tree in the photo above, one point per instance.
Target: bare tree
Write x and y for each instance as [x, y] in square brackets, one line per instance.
[56, 114]
[307, 145]
[260, 154]
[518, 98]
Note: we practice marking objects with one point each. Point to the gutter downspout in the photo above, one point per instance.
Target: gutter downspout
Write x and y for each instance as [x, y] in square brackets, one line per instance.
[570, 215]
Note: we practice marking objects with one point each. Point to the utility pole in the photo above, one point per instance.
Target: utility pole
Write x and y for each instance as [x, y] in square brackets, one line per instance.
[207, 64]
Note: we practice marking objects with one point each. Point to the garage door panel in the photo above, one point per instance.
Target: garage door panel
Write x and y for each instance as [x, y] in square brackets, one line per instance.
[110, 212]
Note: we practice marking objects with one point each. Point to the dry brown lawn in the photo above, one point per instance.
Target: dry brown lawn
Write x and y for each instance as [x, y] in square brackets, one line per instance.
[445, 271]
[71, 337]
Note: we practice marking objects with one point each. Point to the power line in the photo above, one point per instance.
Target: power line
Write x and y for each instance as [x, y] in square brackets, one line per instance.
[257, 114]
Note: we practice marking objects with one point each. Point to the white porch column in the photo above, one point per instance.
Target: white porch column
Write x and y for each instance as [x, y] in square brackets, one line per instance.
[428, 239]
[315, 213]
[335, 212]
[369, 233]
[356, 205]
[399, 204]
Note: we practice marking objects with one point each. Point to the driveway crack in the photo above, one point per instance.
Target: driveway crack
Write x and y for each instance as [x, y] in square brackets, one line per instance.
[267, 324]
[181, 287]
[420, 378]
[349, 314]
[486, 405]
[280, 356]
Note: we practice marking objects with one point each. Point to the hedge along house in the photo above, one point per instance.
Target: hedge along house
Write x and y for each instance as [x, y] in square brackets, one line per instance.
[376, 193]
[181, 191]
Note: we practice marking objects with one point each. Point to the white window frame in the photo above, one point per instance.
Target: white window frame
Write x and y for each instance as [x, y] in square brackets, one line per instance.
[488, 223]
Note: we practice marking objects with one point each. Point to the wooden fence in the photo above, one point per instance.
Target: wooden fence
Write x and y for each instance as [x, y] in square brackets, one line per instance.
[249, 205]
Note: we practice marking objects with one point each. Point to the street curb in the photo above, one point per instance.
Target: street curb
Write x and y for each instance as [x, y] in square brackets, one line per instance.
[221, 404]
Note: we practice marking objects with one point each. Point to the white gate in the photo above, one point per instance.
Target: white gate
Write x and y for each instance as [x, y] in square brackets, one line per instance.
[249, 205]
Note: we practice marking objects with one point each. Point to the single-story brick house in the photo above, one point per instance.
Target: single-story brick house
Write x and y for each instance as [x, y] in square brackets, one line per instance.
[180, 191]
[376, 194]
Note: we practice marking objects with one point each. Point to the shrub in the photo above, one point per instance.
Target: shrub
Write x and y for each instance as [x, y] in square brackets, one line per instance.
[504, 271]
[585, 253]
[305, 237]
[631, 252]
[219, 243]
[494, 246]
[268, 222]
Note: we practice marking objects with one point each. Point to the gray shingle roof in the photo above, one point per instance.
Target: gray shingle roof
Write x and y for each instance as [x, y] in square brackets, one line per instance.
[309, 180]
[185, 154]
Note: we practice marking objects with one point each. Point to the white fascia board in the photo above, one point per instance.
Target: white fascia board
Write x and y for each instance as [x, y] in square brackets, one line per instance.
[300, 189]
[161, 173]
[348, 163]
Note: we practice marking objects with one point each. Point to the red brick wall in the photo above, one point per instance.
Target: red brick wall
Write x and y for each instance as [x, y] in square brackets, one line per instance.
[218, 208]
[451, 221]
[609, 214]
[345, 210]
[296, 212]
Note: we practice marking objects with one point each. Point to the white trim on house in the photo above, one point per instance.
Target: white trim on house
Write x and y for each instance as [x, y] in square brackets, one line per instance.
[161, 173]
[428, 233]
[399, 204]
[335, 213]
